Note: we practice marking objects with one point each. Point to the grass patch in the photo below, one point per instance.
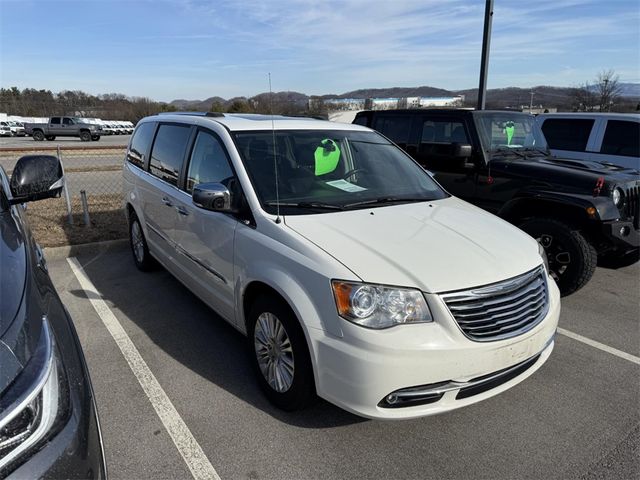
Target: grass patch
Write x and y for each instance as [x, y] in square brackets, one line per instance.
[51, 228]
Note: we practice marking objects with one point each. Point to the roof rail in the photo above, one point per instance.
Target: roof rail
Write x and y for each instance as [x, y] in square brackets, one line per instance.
[197, 114]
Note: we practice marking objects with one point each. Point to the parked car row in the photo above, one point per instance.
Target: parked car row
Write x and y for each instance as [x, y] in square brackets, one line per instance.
[12, 128]
[345, 258]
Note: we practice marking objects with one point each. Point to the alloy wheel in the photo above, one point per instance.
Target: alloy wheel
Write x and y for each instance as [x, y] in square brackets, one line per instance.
[274, 352]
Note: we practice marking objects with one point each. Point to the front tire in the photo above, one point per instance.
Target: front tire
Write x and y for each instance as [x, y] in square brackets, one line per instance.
[85, 136]
[279, 354]
[572, 259]
[139, 248]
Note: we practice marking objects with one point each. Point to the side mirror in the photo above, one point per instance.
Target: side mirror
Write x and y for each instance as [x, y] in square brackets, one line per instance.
[462, 150]
[36, 177]
[212, 196]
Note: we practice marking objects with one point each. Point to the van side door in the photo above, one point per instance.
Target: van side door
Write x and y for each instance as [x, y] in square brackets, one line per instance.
[160, 189]
[205, 239]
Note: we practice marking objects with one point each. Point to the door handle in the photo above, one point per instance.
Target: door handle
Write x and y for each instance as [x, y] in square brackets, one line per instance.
[167, 202]
[182, 211]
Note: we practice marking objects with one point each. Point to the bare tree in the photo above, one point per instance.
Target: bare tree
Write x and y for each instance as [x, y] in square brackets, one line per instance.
[584, 98]
[608, 88]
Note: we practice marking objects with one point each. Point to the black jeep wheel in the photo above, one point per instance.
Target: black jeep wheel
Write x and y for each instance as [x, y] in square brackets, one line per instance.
[38, 135]
[572, 259]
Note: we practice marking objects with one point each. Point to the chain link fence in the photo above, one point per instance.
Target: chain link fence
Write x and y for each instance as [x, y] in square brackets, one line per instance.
[94, 173]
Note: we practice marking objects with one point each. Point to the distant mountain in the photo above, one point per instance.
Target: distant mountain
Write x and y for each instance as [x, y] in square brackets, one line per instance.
[393, 92]
[559, 97]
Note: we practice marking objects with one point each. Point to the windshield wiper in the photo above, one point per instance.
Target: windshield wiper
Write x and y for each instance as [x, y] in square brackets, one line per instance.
[317, 205]
[385, 201]
[499, 151]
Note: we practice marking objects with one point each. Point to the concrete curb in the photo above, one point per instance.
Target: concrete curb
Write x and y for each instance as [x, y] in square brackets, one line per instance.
[57, 253]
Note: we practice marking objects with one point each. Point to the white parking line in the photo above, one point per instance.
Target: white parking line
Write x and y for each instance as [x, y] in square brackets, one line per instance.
[184, 441]
[600, 346]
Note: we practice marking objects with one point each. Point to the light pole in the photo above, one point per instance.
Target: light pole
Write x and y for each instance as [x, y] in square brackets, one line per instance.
[531, 102]
[484, 65]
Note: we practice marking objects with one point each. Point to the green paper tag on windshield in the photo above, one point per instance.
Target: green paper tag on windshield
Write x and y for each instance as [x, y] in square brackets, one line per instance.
[327, 156]
[509, 131]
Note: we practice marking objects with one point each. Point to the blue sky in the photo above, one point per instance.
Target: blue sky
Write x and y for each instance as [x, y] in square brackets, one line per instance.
[196, 49]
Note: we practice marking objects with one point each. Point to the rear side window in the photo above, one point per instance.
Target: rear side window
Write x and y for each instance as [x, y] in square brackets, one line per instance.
[140, 144]
[67, 121]
[361, 120]
[394, 127]
[567, 133]
[438, 131]
[55, 121]
[621, 138]
[208, 162]
[168, 152]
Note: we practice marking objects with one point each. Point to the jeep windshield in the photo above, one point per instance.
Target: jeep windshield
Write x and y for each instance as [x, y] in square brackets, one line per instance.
[327, 170]
[513, 132]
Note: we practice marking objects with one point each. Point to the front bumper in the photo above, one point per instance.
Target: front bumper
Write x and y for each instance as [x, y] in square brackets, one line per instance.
[622, 234]
[359, 370]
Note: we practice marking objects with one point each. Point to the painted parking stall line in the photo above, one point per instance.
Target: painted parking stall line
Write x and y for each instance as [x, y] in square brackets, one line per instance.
[187, 445]
[600, 346]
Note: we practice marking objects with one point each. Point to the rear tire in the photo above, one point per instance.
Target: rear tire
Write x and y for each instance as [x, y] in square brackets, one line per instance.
[572, 259]
[95, 138]
[279, 354]
[38, 136]
[85, 136]
[139, 248]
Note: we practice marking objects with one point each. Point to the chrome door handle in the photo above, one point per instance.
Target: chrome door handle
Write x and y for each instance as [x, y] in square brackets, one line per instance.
[182, 211]
[167, 202]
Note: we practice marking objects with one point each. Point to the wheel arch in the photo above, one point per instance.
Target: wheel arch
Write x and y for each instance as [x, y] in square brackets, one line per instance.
[520, 209]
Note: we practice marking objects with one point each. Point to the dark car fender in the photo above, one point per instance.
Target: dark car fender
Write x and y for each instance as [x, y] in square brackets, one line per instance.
[578, 207]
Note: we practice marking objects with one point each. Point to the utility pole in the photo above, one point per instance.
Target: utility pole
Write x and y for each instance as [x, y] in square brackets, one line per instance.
[484, 65]
[531, 102]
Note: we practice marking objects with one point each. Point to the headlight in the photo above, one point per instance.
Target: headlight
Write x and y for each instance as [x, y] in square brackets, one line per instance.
[33, 409]
[617, 196]
[545, 260]
[377, 306]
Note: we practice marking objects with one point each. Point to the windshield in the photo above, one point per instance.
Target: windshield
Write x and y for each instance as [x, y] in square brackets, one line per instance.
[331, 170]
[509, 130]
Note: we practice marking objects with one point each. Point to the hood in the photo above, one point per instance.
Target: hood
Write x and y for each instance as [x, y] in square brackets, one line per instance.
[12, 270]
[435, 246]
[576, 176]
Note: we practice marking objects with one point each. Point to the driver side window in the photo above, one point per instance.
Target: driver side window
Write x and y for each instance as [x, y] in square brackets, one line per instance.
[208, 162]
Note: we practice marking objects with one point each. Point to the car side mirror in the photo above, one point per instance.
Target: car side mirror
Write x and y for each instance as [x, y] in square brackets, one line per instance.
[462, 150]
[212, 196]
[36, 177]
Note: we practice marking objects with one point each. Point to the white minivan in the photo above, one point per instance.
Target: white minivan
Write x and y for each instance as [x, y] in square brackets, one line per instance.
[352, 273]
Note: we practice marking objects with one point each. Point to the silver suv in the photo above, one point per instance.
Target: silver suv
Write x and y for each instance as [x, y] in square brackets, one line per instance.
[352, 272]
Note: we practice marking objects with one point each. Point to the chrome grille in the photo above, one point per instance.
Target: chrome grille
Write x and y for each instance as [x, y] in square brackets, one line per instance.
[632, 204]
[501, 310]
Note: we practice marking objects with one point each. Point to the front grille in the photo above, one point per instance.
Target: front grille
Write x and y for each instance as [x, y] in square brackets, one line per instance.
[501, 310]
[632, 204]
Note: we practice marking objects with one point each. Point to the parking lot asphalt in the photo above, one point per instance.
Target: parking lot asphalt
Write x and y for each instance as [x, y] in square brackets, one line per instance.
[577, 417]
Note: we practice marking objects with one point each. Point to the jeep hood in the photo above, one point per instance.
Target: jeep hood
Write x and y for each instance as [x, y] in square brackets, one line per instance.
[435, 246]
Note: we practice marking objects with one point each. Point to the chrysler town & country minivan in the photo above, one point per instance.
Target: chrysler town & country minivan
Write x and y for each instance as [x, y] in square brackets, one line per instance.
[354, 275]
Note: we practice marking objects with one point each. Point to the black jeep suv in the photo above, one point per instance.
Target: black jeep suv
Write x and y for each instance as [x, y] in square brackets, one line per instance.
[579, 211]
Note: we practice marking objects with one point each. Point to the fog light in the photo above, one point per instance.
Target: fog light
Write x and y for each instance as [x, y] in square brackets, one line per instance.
[624, 231]
[391, 399]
